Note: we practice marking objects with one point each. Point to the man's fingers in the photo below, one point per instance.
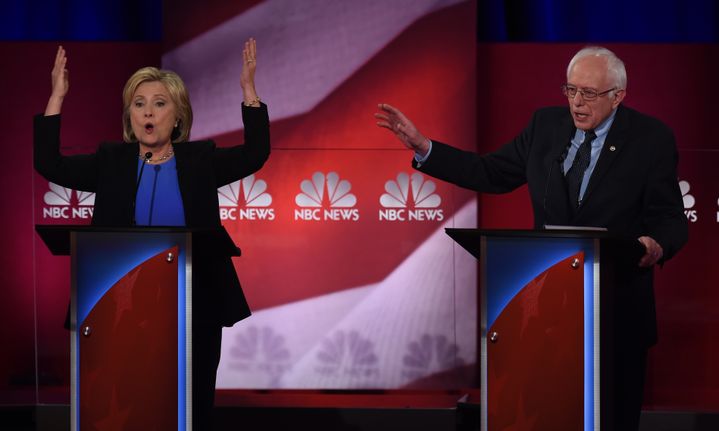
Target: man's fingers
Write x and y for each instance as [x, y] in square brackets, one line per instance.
[650, 258]
[654, 251]
[389, 108]
[647, 261]
[393, 119]
[391, 127]
[394, 113]
[391, 123]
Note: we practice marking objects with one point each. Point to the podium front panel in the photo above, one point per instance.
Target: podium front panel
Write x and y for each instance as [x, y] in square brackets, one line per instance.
[130, 330]
[540, 333]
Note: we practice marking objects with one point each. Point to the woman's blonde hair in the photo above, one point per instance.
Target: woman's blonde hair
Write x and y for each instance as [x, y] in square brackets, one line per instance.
[178, 94]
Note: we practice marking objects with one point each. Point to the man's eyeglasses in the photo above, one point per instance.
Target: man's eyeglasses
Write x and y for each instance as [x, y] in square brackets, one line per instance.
[587, 93]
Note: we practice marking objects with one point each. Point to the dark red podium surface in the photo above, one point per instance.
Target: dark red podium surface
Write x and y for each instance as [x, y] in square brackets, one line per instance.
[130, 322]
[138, 310]
[546, 325]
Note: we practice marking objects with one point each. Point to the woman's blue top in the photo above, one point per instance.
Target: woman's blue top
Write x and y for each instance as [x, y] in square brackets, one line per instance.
[159, 202]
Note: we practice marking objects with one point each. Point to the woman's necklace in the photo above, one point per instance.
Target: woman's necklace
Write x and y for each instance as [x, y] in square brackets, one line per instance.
[162, 158]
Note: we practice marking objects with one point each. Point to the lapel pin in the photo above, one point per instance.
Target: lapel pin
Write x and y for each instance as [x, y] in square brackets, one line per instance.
[612, 148]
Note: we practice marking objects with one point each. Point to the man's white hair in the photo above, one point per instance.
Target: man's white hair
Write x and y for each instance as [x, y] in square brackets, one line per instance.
[615, 66]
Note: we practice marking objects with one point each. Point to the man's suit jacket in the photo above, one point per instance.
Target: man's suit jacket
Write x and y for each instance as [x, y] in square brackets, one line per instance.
[111, 173]
[632, 192]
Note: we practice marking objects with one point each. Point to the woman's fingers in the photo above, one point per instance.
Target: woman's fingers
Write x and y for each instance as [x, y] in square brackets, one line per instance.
[252, 45]
[59, 55]
[249, 53]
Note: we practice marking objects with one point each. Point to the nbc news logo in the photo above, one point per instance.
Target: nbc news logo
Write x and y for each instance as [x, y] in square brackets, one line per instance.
[326, 191]
[60, 203]
[410, 198]
[251, 192]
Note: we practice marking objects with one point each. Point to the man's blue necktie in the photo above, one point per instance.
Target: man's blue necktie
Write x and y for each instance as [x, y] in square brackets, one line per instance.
[575, 175]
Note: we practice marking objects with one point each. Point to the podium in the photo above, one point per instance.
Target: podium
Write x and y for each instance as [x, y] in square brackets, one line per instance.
[131, 322]
[546, 325]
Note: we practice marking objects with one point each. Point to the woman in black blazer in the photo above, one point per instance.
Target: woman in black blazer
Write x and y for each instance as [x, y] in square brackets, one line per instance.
[157, 118]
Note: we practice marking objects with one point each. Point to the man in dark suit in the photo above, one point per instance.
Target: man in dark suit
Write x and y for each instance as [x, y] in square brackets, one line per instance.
[594, 163]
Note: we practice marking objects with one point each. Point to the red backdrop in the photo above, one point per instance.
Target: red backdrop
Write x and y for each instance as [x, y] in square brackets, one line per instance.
[35, 285]
[667, 81]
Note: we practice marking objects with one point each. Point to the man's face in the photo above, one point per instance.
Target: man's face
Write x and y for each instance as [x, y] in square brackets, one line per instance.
[591, 73]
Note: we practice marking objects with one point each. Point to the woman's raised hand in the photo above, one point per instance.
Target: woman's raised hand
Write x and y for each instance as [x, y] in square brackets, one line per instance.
[60, 83]
[247, 77]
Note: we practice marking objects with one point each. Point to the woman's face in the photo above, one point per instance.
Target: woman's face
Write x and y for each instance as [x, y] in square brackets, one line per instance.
[152, 114]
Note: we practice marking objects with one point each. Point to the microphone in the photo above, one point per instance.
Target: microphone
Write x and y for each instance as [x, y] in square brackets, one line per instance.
[148, 156]
[152, 195]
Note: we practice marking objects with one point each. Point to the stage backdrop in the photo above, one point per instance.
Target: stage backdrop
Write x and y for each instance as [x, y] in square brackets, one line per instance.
[345, 262]
[352, 281]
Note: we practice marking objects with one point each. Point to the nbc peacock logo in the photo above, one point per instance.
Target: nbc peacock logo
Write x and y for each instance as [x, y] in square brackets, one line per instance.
[410, 198]
[261, 350]
[348, 353]
[245, 199]
[688, 201]
[62, 203]
[326, 198]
